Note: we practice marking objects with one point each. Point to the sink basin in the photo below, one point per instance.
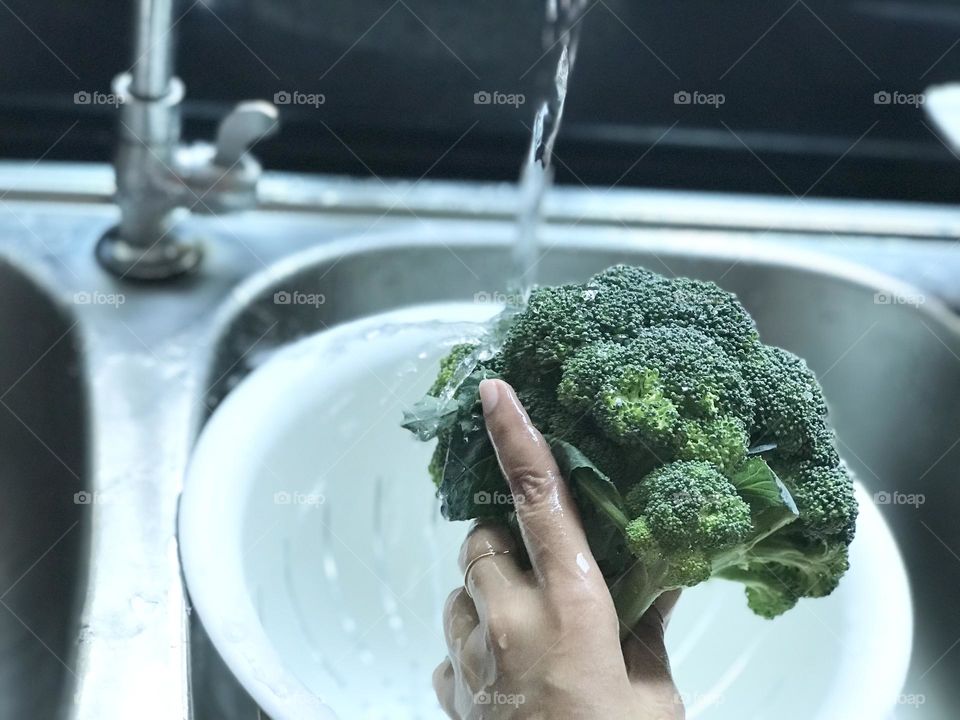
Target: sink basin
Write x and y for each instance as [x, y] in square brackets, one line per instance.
[44, 501]
[94, 617]
[889, 364]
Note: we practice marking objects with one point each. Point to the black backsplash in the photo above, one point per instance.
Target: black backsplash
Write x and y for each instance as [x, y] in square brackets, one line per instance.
[398, 80]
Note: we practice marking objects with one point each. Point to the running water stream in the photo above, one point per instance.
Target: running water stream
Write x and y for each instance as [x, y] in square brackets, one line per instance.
[560, 39]
[561, 36]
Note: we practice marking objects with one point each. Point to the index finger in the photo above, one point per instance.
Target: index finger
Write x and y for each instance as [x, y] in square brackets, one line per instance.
[548, 519]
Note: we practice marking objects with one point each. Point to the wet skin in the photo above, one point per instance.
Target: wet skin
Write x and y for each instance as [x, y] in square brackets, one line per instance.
[544, 642]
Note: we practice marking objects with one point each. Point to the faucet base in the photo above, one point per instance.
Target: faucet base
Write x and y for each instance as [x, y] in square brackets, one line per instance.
[166, 259]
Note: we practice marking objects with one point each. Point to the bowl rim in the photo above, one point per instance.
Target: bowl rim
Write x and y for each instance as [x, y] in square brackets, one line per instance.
[217, 476]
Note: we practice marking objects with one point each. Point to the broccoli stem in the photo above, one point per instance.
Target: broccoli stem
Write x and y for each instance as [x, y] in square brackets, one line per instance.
[634, 592]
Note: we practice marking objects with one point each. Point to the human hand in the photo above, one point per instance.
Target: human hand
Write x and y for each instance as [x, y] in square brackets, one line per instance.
[544, 643]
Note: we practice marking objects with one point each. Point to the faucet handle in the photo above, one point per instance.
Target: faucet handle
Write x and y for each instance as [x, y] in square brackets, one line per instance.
[248, 123]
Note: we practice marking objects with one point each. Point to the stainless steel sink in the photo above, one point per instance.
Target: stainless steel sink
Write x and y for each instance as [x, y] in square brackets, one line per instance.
[890, 370]
[44, 498]
[115, 402]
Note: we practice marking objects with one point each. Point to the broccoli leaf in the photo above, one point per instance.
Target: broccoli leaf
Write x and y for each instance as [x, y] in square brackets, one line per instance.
[472, 485]
[432, 416]
[771, 504]
[601, 505]
[587, 481]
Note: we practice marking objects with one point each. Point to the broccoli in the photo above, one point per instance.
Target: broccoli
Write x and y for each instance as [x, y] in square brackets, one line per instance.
[693, 449]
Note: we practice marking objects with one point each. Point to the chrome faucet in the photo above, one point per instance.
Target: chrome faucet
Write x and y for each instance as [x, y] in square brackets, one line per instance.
[159, 178]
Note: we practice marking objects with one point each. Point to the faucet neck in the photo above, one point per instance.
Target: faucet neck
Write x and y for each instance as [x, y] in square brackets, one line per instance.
[153, 47]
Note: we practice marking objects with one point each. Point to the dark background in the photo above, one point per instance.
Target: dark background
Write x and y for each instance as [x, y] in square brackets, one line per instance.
[399, 77]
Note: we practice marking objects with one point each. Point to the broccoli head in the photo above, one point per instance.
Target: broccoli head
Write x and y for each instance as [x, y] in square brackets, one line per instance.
[693, 449]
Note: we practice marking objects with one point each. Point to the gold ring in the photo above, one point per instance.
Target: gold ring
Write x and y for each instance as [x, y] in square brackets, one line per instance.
[474, 561]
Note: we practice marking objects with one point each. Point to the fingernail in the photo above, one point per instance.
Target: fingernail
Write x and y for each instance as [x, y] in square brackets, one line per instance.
[489, 395]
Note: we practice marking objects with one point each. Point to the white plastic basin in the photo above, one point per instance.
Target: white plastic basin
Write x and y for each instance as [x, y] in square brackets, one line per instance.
[315, 555]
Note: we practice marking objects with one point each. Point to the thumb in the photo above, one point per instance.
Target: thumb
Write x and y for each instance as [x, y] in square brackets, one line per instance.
[644, 651]
[648, 666]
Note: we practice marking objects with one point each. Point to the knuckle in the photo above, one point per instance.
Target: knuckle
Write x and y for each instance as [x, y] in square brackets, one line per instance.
[596, 596]
[532, 486]
[484, 537]
[577, 600]
[467, 551]
[498, 624]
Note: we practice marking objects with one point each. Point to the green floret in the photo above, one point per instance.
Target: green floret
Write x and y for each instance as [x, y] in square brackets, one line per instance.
[640, 539]
[638, 391]
[789, 402]
[553, 327]
[825, 498]
[631, 299]
[766, 594]
[449, 364]
[438, 461]
[635, 408]
[692, 449]
[690, 505]
[721, 441]
[687, 568]
[623, 465]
